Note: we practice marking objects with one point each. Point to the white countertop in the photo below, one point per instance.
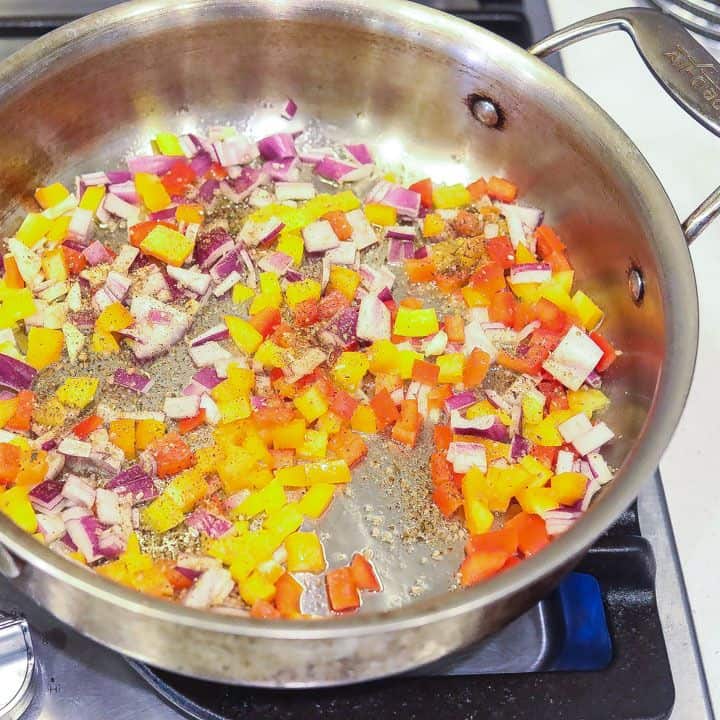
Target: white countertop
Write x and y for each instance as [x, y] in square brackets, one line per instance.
[684, 155]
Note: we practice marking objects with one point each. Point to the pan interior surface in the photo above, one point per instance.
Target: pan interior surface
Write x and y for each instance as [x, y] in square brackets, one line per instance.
[397, 76]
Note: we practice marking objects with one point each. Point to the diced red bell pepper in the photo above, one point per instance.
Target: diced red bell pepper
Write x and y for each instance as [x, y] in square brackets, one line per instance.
[546, 455]
[529, 364]
[385, 410]
[441, 471]
[503, 540]
[363, 574]
[307, 312]
[532, 534]
[23, 411]
[9, 462]
[424, 188]
[512, 561]
[216, 172]
[87, 426]
[478, 188]
[437, 396]
[348, 446]
[442, 435]
[288, 592]
[524, 315]
[548, 241]
[343, 404]
[555, 394]
[187, 425]
[480, 566]
[177, 579]
[141, 230]
[500, 250]
[448, 498]
[454, 327]
[546, 340]
[558, 262]
[172, 454]
[264, 610]
[266, 321]
[178, 178]
[339, 223]
[75, 260]
[341, 590]
[476, 368]
[609, 352]
[407, 427]
[331, 304]
[501, 189]
[502, 308]
[550, 316]
[489, 278]
[425, 372]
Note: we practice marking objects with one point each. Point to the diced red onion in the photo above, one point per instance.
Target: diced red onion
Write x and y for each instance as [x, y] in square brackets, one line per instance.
[333, 169]
[216, 332]
[51, 527]
[134, 482]
[528, 330]
[251, 280]
[374, 319]
[211, 588]
[486, 426]
[398, 395]
[399, 251]
[290, 109]
[212, 413]
[313, 156]
[593, 487]
[294, 191]
[207, 190]
[111, 543]
[363, 234]
[344, 325]
[465, 455]
[75, 448]
[74, 512]
[126, 191]
[122, 209]
[305, 364]
[234, 151]
[134, 380]
[599, 468]
[476, 337]
[208, 523]
[81, 225]
[593, 439]
[519, 447]
[107, 507]
[277, 147]
[319, 236]
[574, 427]
[530, 273]
[212, 246]
[207, 377]
[459, 401]
[564, 462]
[85, 532]
[258, 402]
[153, 164]
[179, 408]
[94, 178]
[78, 491]
[277, 262]
[189, 573]
[559, 521]
[406, 202]
[375, 279]
[530, 217]
[47, 495]
[165, 214]
[16, 374]
[573, 359]
[227, 284]
[360, 152]
[193, 280]
[97, 254]
[401, 232]
[594, 380]
[344, 254]
[152, 339]
[287, 170]
[421, 252]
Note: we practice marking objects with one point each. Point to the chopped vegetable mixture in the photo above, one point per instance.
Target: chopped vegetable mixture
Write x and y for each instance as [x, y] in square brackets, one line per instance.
[287, 258]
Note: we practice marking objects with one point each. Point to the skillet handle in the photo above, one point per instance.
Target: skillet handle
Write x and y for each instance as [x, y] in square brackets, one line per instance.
[682, 66]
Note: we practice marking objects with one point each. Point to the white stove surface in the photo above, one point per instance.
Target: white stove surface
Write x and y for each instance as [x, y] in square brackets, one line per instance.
[684, 156]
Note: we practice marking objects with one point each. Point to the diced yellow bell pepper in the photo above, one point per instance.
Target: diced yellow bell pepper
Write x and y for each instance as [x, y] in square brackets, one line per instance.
[451, 368]
[406, 360]
[533, 407]
[305, 553]
[54, 266]
[16, 305]
[152, 192]
[329, 423]
[51, 413]
[587, 401]
[485, 408]
[558, 296]
[122, 433]
[268, 499]
[207, 458]
[162, 514]
[256, 587]
[328, 471]
[390, 177]
[537, 500]
[433, 225]
[491, 488]
[237, 408]
[350, 369]
[563, 279]
[92, 197]
[289, 436]
[569, 487]
[544, 433]
[241, 293]
[315, 445]
[270, 354]
[292, 476]
[272, 571]
[292, 244]
[344, 280]
[255, 445]
[363, 419]
[45, 346]
[316, 500]
[77, 392]
[589, 314]
[263, 301]
[260, 477]
[474, 297]
[51, 195]
[58, 230]
[523, 255]
[190, 214]
[168, 245]
[114, 318]
[33, 228]
[540, 473]
[312, 403]
[378, 214]
[270, 283]
[450, 196]
[104, 343]
[7, 410]
[420, 322]
[242, 379]
[14, 504]
[384, 357]
[285, 520]
[147, 431]
[168, 144]
[243, 334]
[303, 290]
[234, 469]
[478, 517]
[495, 450]
[187, 489]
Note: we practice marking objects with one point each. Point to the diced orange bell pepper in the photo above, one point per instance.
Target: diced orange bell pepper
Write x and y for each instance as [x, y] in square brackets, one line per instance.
[122, 434]
[33, 467]
[75, 261]
[532, 534]
[407, 427]
[341, 589]
[481, 566]
[385, 410]
[172, 454]
[114, 318]
[266, 321]
[425, 372]
[548, 241]
[504, 540]
[347, 446]
[424, 188]
[363, 574]
[9, 462]
[288, 592]
[438, 396]
[501, 251]
[190, 213]
[264, 610]
[478, 188]
[339, 223]
[187, 425]
[363, 419]
[45, 346]
[441, 471]
[13, 278]
[476, 368]
[448, 498]
[501, 189]
[454, 327]
[421, 270]
[442, 435]
[502, 308]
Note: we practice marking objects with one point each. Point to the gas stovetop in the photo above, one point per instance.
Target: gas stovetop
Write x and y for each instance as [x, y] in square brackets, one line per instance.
[614, 642]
